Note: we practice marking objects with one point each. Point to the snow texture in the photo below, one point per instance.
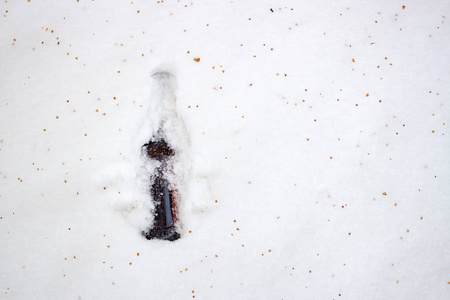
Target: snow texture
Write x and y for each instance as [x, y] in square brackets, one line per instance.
[311, 136]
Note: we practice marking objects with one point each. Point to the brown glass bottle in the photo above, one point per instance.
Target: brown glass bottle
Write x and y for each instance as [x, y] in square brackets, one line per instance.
[161, 192]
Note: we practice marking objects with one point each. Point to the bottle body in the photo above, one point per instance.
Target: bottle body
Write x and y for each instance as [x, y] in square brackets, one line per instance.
[162, 195]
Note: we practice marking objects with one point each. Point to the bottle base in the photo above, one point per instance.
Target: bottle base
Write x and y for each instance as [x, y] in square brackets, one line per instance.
[162, 233]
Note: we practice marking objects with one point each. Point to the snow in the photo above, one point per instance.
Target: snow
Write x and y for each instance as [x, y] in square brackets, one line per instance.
[313, 149]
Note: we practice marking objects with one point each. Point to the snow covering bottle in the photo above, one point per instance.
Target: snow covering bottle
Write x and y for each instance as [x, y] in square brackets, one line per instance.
[164, 148]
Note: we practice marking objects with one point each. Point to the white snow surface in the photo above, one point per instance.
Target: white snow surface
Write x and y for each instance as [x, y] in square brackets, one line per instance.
[313, 149]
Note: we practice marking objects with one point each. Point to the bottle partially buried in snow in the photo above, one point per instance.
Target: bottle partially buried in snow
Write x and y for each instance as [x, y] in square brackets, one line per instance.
[158, 149]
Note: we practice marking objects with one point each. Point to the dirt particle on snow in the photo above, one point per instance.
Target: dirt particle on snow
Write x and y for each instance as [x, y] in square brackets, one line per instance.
[196, 59]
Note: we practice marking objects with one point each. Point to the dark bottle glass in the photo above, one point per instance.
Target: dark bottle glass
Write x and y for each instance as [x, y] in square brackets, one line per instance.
[164, 222]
